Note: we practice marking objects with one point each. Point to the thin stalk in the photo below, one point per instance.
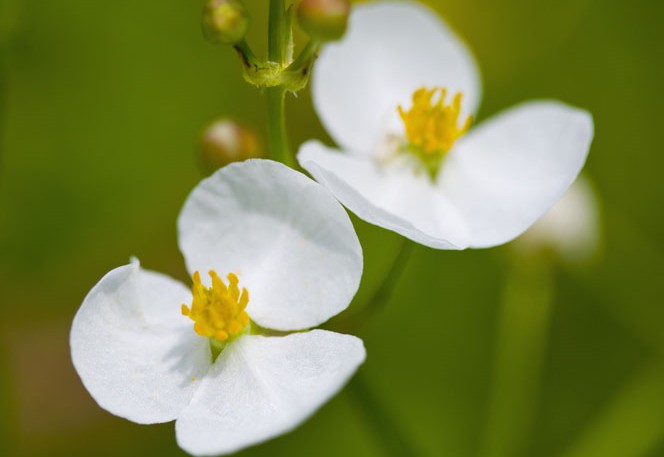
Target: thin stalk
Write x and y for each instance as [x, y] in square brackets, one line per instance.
[310, 49]
[277, 136]
[350, 322]
[632, 423]
[386, 430]
[276, 31]
[522, 333]
[384, 292]
[276, 49]
[246, 54]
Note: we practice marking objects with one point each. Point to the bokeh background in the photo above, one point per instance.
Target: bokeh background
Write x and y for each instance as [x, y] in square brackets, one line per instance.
[101, 108]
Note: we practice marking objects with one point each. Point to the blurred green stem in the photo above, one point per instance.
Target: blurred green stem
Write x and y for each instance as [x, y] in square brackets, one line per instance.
[386, 430]
[521, 338]
[351, 322]
[4, 80]
[632, 425]
[384, 292]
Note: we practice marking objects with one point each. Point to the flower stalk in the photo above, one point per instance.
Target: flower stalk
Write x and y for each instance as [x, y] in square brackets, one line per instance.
[277, 136]
[305, 60]
[278, 39]
[389, 433]
[276, 46]
[381, 295]
[523, 329]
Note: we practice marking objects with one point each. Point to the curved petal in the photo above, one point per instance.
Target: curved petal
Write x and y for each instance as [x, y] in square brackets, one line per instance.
[389, 51]
[286, 237]
[510, 170]
[393, 198]
[135, 353]
[261, 387]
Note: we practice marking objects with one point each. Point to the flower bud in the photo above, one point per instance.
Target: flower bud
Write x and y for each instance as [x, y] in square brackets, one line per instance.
[225, 21]
[570, 229]
[324, 20]
[225, 141]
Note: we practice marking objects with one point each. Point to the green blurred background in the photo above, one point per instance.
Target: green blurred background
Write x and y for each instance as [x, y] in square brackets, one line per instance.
[101, 107]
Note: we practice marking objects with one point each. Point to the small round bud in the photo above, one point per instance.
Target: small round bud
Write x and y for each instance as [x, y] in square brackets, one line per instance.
[570, 230]
[225, 141]
[324, 20]
[225, 21]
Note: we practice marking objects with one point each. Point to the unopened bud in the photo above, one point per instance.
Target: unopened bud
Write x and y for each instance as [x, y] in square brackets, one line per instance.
[324, 20]
[225, 141]
[571, 229]
[225, 21]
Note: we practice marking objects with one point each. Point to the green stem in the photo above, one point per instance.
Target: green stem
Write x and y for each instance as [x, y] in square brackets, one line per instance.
[277, 136]
[632, 424]
[276, 33]
[378, 418]
[276, 49]
[383, 293]
[304, 59]
[246, 54]
[351, 322]
[520, 346]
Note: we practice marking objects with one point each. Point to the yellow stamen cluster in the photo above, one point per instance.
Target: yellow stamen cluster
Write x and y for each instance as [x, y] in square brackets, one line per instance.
[431, 125]
[218, 311]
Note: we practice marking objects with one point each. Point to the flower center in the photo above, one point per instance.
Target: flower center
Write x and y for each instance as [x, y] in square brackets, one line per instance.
[432, 126]
[218, 311]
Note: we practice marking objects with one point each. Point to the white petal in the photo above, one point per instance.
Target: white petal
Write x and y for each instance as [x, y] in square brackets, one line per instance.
[134, 351]
[290, 242]
[510, 170]
[262, 387]
[389, 51]
[394, 198]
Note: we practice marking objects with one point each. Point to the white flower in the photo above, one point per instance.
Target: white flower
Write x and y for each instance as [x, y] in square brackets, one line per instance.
[571, 228]
[294, 252]
[396, 94]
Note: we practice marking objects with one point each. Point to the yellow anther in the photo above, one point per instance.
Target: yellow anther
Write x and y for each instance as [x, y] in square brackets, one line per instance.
[218, 311]
[431, 125]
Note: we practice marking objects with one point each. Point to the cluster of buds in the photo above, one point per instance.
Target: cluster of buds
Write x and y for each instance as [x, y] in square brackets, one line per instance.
[226, 21]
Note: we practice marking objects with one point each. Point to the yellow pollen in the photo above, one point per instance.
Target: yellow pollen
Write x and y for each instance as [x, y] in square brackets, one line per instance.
[431, 125]
[218, 311]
